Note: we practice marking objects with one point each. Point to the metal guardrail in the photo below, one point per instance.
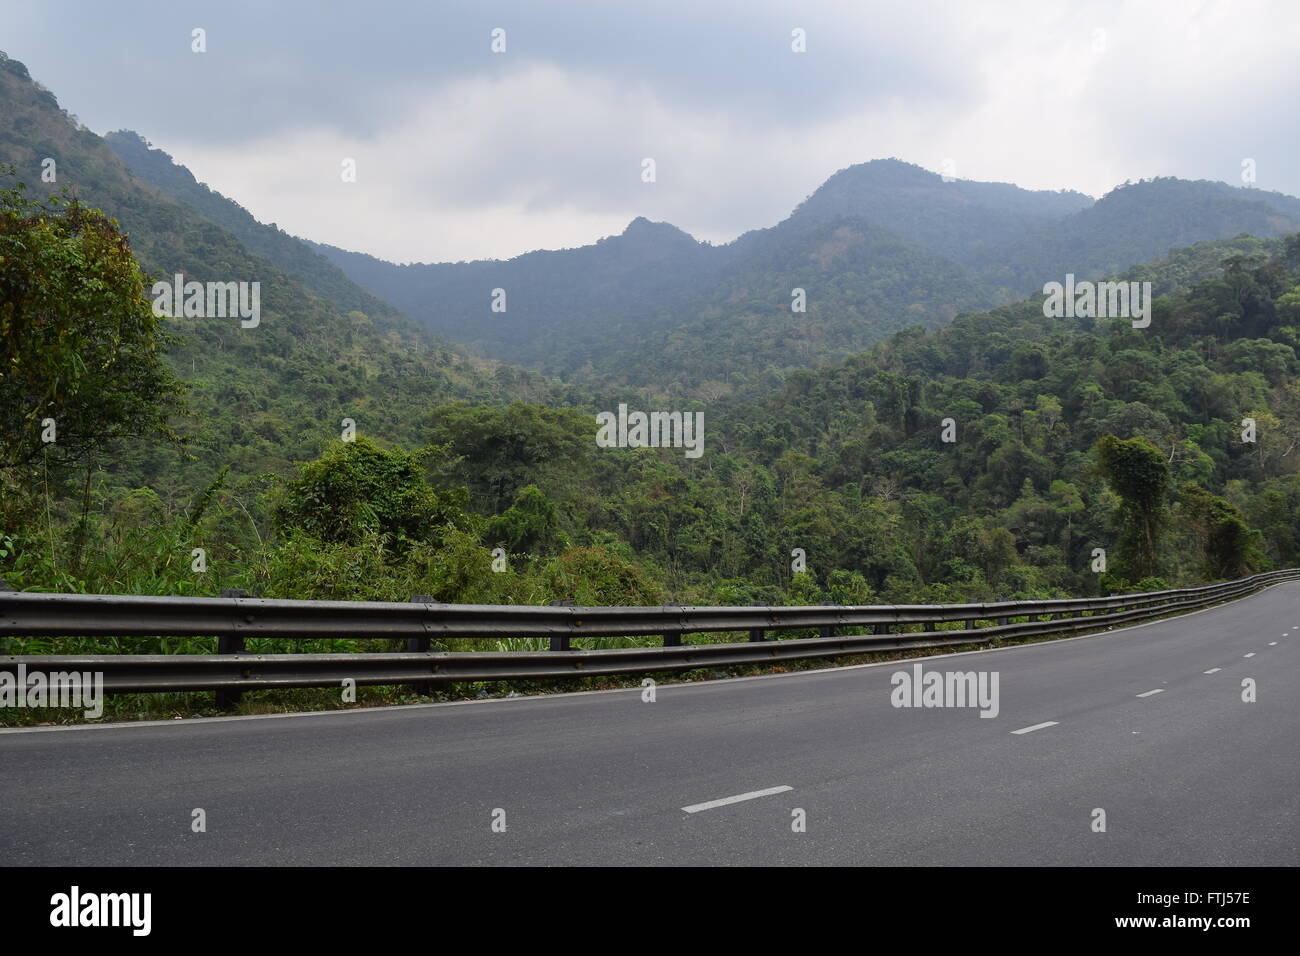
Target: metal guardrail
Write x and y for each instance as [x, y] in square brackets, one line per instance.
[235, 618]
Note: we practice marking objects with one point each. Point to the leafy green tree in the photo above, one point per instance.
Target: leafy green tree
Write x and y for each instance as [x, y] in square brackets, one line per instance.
[497, 451]
[79, 343]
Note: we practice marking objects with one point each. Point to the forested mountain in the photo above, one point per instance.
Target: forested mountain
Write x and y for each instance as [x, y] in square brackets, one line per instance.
[1134, 223]
[562, 308]
[652, 308]
[879, 246]
[259, 398]
[850, 463]
[860, 282]
[962, 220]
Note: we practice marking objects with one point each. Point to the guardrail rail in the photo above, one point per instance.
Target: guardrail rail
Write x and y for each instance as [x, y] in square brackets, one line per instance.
[235, 617]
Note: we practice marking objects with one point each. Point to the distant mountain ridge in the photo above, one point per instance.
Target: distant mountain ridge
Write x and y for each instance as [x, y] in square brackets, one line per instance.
[879, 246]
[961, 219]
[618, 306]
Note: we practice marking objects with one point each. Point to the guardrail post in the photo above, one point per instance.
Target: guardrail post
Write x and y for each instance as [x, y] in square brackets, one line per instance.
[227, 697]
[418, 645]
[828, 630]
[421, 643]
[757, 634]
[560, 642]
[1002, 621]
[672, 638]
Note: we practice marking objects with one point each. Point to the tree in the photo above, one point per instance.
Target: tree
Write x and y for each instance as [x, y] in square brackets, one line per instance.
[500, 450]
[530, 525]
[1136, 471]
[79, 344]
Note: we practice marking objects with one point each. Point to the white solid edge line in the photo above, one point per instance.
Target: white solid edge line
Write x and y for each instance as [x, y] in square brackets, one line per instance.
[1212, 670]
[1158, 690]
[752, 795]
[1030, 730]
[566, 695]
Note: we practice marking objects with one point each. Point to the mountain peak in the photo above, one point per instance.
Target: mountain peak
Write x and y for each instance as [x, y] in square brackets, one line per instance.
[129, 137]
[641, 226]
[643, 232]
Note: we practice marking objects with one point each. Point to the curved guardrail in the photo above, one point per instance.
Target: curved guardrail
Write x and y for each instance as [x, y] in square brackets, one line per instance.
[236, 617]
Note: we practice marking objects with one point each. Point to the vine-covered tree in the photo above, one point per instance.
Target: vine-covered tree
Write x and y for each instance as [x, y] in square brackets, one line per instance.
[357, 489]
[1138, 472]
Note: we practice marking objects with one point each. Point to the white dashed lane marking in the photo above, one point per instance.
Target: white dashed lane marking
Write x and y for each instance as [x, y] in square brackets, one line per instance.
[1212, 670]
[1158, 690]
[1030, 730]
[752, 795]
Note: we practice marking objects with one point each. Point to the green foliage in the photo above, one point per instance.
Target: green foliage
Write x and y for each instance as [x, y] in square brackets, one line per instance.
[596, 576]
[530, 525]
[1228, 546]
[497, 451]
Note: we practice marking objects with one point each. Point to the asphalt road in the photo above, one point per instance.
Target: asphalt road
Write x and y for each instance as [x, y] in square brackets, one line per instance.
[1192, 775]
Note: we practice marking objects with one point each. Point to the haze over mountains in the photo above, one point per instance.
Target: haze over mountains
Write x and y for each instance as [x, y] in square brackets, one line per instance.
[878, 247]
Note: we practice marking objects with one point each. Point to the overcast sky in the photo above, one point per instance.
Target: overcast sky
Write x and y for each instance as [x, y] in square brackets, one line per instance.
[463, 153]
